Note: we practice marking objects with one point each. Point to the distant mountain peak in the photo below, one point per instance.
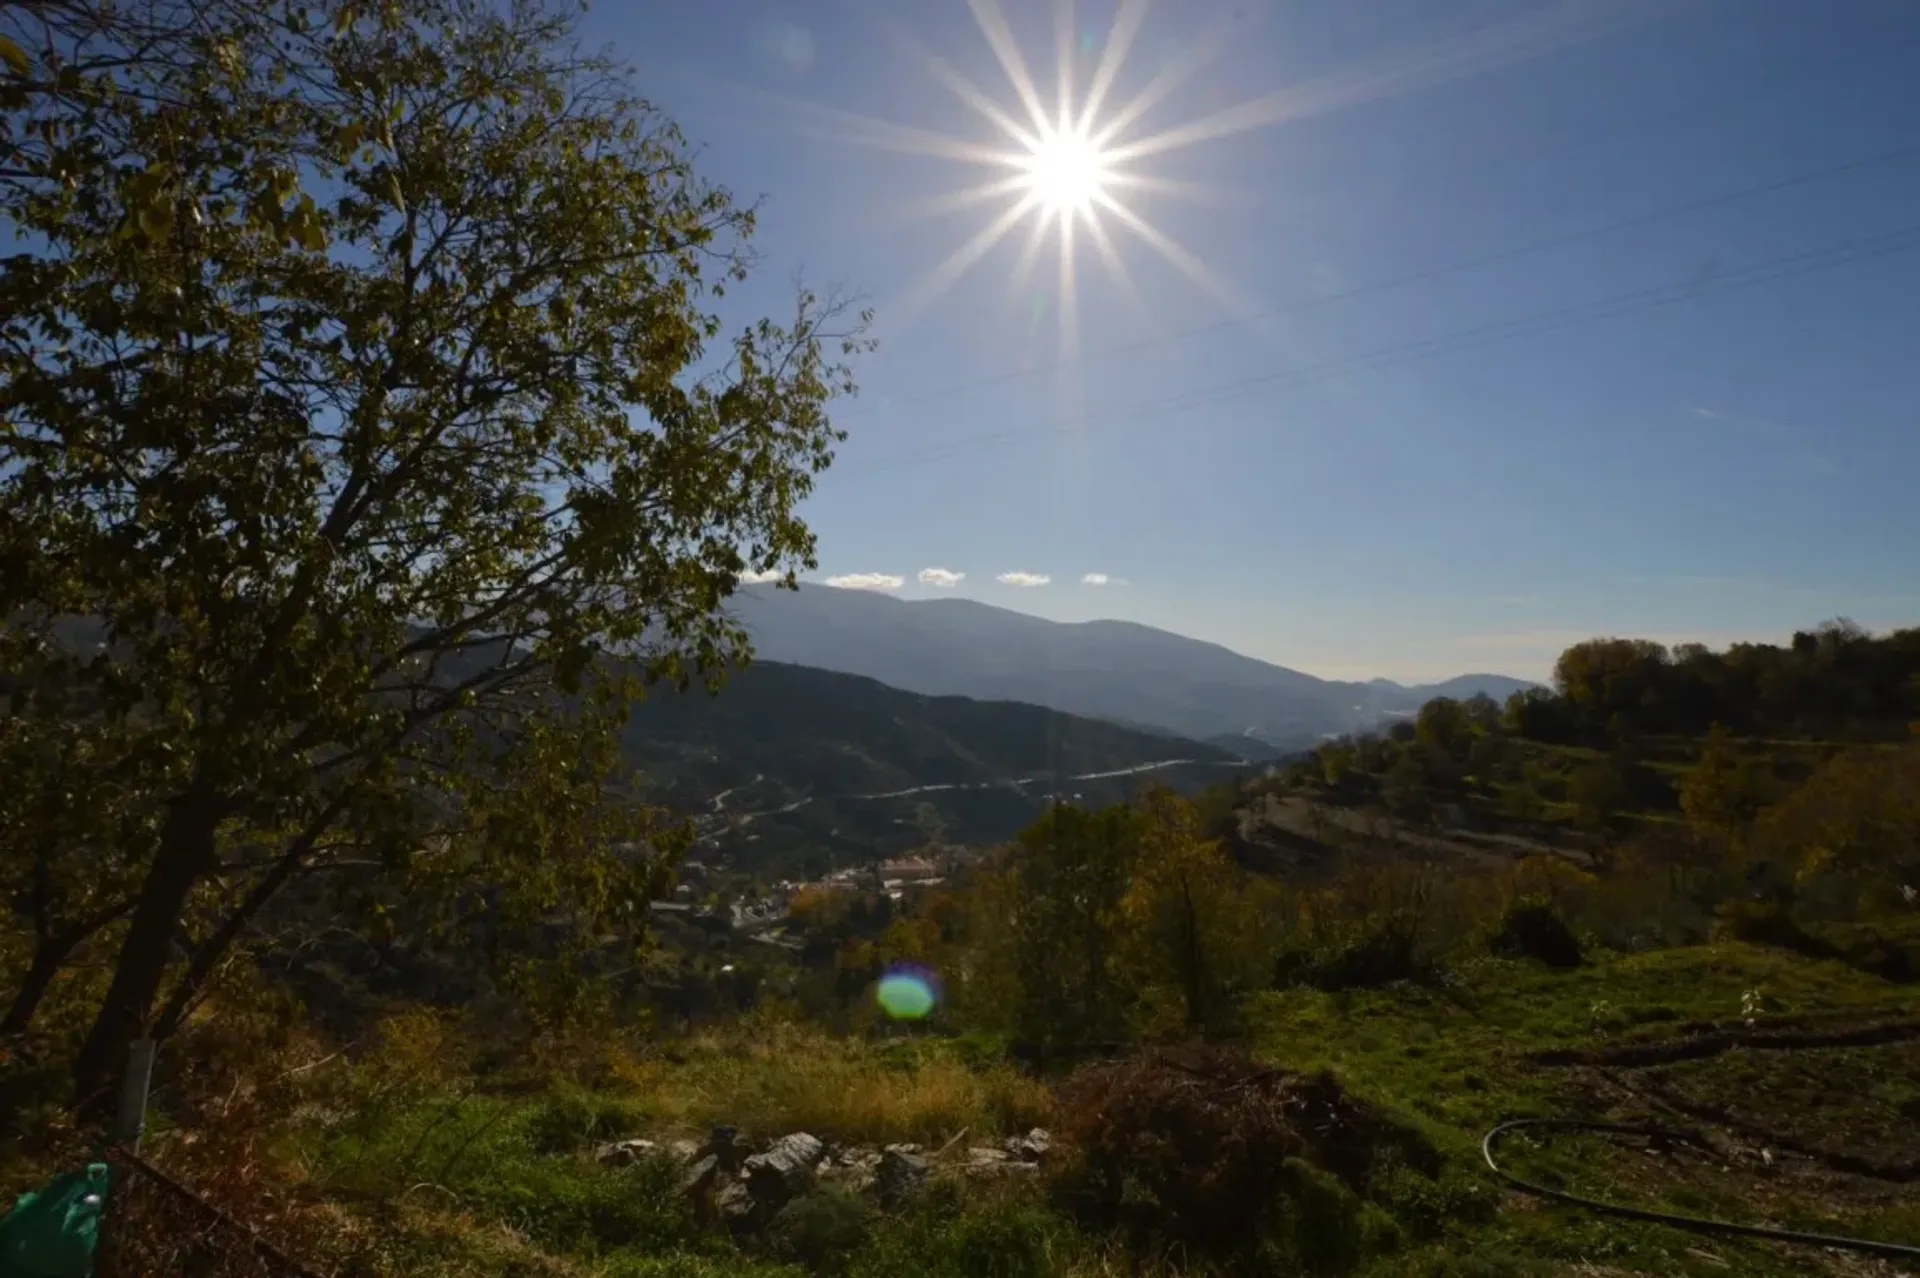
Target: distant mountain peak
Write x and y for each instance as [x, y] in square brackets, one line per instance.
[1120, 671]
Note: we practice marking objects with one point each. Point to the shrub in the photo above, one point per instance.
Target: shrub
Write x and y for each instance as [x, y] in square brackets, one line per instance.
[1322, 1229]
[1004, 1238]
[822, 1231]
[1209, 1151]
[1367, 957]
[1532, 928]
[1771, 923]
[592, 1211]
[571, 1117]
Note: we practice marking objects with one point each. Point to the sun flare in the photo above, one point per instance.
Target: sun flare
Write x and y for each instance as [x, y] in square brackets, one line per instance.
[1076, 170]
[1066, 171]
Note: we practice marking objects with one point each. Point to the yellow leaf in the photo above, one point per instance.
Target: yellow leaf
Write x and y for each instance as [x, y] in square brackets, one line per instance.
[14, 56]
[156, 219]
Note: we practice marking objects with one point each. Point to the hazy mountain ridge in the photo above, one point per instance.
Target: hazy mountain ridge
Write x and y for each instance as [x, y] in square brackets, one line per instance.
[794, 769]
[1116, 670]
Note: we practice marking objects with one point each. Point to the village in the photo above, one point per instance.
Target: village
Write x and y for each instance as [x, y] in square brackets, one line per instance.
[760, 915]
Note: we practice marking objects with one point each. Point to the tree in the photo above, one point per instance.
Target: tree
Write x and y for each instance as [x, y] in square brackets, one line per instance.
[1051, 942]
[1404, 789]
[1185, 910]
[1723, 793]
[1858, 814]
[1613, 686]
[363, 411]
[1599, 791]
[1443, 724]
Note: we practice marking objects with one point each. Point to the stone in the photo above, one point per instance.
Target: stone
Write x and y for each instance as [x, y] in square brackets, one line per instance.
[853, 1167]
[736, 1205]
[900, 1173]
[625, 1153]
[725, 1145]
[991, 1160]
[1031, 1148]
[786, 1170]
[700, 1177]
[684, 1151]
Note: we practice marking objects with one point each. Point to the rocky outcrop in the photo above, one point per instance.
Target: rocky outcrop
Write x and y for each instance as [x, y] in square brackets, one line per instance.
[786, 1169]
[743, 1187]
[901, 1170]
[1031, 1148]
[625, 1153]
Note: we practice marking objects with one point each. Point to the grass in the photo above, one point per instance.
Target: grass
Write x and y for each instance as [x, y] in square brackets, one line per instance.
[445, 1179]
[789, 1078]
[1455, 1061]
[409, 1160]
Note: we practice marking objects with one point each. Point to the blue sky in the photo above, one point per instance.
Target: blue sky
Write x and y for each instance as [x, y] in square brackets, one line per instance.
[1517, 322]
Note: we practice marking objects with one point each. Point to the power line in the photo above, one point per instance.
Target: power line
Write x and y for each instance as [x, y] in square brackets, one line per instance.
[1417, 277]
[1635, 301]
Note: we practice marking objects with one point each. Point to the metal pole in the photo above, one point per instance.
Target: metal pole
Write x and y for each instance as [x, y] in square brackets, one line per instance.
[132, 1118]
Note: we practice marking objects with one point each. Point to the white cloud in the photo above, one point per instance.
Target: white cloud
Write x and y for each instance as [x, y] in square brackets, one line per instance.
[1102, 579]
[867, 581]
[1023, 579]
[761, 578]
[945, 578]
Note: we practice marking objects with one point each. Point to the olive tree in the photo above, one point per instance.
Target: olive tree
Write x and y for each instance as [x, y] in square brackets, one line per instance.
[370, 437]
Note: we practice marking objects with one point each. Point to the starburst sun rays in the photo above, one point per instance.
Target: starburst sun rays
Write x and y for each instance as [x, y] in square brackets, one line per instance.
[1068, 167]
[1059, 168]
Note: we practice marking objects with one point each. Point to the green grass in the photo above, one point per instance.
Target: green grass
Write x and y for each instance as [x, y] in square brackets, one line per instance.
[1453, 1062]
[458, 1181]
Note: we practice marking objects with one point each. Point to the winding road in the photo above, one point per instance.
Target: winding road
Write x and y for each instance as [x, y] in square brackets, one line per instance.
[736, 819]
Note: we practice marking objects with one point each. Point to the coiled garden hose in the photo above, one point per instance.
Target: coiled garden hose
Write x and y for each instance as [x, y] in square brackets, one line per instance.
[1701, 1224]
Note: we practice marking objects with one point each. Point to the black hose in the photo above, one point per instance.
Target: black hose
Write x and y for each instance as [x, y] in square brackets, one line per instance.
[1701, 1224]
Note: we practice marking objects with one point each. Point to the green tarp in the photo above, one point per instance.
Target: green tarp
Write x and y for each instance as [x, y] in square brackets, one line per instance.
[52, 1231]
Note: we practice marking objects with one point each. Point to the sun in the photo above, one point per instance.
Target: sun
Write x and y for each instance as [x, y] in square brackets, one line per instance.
[1066, 171]
[1077, 169]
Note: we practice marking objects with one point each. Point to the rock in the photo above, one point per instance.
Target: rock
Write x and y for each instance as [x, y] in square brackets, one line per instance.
[786, 1169]
[725, 1145]
[700, 1177]
[1031, 1148]
[684, 1151]
[853, 1167]
[737, 1206]
[990, 1160]
[625, 1153]
[900, 1173]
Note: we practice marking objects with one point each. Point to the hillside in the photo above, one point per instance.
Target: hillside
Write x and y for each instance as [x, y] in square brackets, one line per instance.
[793, 768]
[1106, 669]
[1643, 754]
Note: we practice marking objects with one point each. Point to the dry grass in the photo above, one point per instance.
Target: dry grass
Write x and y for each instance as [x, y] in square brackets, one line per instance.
[787, 1078]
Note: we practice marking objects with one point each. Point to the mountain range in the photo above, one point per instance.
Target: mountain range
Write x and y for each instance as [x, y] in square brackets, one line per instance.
[868, 725]
[794, 770]
[1113, 670]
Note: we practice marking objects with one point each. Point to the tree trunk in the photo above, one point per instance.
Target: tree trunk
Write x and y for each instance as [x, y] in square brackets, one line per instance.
[184, 856]
[48, 955]
[205, 958]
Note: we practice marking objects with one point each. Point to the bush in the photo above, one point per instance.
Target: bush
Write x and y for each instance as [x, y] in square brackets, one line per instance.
[1211, 1152]
[1366, 958]
[1321, 1220]
[822, 1231]
[1771, 923]
[571, 1118]
[1532, 928]
[990, 1239]
[591, 1210]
